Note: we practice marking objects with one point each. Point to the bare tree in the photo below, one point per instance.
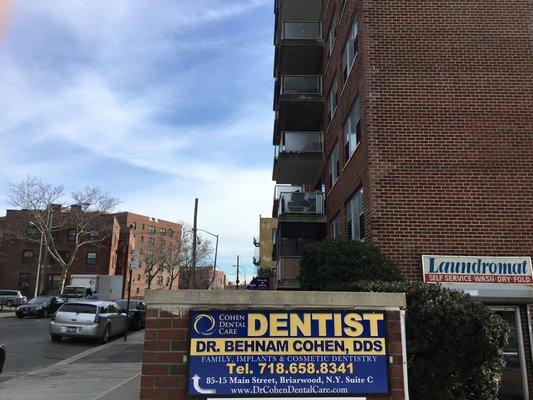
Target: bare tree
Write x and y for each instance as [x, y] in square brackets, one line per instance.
[155, 257]
[88, 216]
[180, 265]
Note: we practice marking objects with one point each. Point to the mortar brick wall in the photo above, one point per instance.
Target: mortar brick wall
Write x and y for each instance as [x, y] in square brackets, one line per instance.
[446, 155]
[165, 373]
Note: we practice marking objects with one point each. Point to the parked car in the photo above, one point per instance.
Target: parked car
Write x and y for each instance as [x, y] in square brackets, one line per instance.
[12, 298]
[137, 312]
[42, 306]
[91, 319]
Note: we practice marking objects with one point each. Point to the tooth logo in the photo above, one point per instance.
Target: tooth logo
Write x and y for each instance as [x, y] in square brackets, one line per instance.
[204, 324]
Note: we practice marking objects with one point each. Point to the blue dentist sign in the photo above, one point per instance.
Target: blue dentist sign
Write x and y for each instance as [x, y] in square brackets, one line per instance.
[288, 353]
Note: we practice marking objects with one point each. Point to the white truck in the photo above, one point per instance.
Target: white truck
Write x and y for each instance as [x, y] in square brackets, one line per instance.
[109, 287]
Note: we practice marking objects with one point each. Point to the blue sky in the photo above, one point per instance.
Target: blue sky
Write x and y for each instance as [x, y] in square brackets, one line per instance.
[157, 102]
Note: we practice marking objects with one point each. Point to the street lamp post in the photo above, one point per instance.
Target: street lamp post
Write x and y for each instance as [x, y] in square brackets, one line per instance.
[216, 248]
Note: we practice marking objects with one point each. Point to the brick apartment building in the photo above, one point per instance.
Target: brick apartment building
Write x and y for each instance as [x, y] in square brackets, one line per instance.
[110, 256]
[409, 125]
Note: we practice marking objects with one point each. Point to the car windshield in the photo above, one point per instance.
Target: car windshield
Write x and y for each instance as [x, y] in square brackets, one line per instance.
[39, 300]
[78, 308]
[123, 303]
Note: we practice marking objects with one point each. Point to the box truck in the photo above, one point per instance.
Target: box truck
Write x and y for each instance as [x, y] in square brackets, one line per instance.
[109, 287]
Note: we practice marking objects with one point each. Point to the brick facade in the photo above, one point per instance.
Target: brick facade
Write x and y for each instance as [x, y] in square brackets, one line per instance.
[446, 154]
[136, 235]
[112, 253]
[20, 273]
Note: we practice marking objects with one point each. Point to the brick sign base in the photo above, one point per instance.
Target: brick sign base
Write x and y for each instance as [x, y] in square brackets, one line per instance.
[164, 370]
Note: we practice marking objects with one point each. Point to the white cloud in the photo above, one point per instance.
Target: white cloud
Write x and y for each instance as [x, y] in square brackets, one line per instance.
[110, 105]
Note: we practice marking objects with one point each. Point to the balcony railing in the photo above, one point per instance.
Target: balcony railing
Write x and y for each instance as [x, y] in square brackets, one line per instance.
[301, 84]
[301, 203]
[302, 30]
[279, 189]
[301, 142]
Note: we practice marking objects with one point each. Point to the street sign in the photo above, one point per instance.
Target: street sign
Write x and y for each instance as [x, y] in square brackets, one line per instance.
[259, 284]
[302, 353]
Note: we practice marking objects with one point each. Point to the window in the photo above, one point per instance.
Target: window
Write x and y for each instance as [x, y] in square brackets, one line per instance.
[78, 308]
[352, 130]
[162, 232]
[31, 233]
[133, 225]
[53, 283]
[94, 237]
[332, 34]
[138, 277]
[355, 217]
[137, 290]
[350, 52]
[335, 227]
[65, 255]
[71, 235]
[143, 228]
[333, 98]
[24, 280]
[91, 258]
[514, 373]
[150, 254]
[334, 165]
[151, 230]
[27, 256]
[151, 241]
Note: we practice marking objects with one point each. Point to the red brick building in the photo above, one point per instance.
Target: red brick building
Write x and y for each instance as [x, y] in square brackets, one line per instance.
[142, 233]
[409, 125]
[110, 256]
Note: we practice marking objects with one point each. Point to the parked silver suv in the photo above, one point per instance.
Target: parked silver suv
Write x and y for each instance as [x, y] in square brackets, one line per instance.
[12, 298]
[90, 319]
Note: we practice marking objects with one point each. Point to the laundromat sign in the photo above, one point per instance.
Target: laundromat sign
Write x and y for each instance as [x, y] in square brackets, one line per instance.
[477, 270]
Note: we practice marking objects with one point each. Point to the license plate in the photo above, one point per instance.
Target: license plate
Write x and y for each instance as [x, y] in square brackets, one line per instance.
[72, 329]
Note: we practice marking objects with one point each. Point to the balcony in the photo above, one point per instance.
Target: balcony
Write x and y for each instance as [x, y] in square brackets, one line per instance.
[287, 271]
[299, 48]
[299, 104]
[299, 158]
[301, 205]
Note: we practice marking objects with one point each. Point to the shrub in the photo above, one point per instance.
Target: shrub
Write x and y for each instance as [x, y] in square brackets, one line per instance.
[454, 344]
[341, 260]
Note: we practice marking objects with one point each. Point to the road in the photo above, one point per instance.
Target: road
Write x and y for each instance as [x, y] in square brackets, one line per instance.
[29, 348]
[36, 368]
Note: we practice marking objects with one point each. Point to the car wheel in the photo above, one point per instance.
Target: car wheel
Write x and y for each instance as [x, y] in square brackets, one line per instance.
[105, 336]
[137, 324]
[20, 316]
[10, 303]
[56, 338]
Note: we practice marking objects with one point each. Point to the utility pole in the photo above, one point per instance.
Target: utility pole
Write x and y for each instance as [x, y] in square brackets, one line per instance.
[194, 232]
[237, 272]
[43, 253]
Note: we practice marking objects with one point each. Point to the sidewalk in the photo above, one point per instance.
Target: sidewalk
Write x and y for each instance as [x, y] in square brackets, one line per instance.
[7, 314]
[109, 372]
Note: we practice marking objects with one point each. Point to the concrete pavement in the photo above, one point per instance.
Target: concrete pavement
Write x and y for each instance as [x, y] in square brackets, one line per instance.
[29, 348]
[109, 372]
